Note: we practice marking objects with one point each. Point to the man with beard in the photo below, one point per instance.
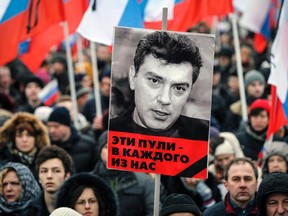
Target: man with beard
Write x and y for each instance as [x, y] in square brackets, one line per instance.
[241, 183]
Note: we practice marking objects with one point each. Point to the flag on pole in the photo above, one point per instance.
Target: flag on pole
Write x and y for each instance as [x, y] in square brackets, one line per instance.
[189, 12]
[50, 93]
[279, 74]
[21, 19]
[102, 15]
[74, 10]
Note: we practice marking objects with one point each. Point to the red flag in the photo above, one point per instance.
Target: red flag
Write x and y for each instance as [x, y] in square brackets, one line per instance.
[74, 10]
[189, 12]
[277, 117]
[22, 20]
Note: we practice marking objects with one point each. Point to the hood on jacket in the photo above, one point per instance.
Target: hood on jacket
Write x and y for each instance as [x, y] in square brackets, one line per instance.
[71, 190]
[274, 148]
[9, 128]
[272, 183]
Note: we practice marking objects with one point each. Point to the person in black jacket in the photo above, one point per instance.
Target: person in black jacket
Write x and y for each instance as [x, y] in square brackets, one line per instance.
[241, 176]
[63, 134]
[54, 166]
[135, 191]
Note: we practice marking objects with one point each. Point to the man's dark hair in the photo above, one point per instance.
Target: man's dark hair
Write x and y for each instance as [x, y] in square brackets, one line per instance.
[241, 161]
[51, 152]
[170, 47]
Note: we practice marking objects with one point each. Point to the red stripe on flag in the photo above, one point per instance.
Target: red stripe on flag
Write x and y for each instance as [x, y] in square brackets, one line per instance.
[52, 99]
[277, 117]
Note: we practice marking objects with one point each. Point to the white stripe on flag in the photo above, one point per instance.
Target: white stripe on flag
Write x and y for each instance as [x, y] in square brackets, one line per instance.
[279, 56]
[253, 14]
[98, 25]
[153, 10]
[3, 7]
[48, 88]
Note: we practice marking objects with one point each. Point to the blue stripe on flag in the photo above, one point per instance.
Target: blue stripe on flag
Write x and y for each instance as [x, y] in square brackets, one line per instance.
[132, 15]
[49, 94]
[285, 106]
[15, 7]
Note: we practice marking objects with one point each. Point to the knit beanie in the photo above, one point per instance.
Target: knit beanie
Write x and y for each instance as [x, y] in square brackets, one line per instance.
[252, 76]
[64, 211]
[176, 203]
[274, 183]
[60, 115]
[260, 104]
[232, 140]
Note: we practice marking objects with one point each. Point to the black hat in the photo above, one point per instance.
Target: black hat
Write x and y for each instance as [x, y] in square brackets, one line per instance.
[60, 115]
[176, 203]
[272, 183]
[226, 51]
[34, 79]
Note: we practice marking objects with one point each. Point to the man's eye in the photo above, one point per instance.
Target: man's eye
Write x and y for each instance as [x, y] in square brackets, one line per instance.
[153, 80]
[180, 88]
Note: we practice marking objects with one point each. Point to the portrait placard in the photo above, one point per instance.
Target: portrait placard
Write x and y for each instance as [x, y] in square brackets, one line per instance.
[160, 102]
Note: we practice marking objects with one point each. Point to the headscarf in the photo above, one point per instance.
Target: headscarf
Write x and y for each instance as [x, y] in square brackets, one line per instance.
[30, 188]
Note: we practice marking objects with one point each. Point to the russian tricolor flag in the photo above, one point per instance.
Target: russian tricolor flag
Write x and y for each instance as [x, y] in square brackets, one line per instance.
[279, 74]
[102, 15]
[50, 93]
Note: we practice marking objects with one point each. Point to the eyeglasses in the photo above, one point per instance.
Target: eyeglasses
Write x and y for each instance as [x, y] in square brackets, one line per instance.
[90, 201]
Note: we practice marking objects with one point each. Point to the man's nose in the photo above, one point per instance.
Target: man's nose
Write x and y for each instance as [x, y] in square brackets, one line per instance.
[164, 95]
[280, 209]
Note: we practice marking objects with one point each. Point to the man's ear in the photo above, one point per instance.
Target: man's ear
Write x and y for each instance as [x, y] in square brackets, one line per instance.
[67, 176]
[226, 185]
[132, 77]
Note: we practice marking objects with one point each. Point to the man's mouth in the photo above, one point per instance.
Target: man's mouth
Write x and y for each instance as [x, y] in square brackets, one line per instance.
[160, 115]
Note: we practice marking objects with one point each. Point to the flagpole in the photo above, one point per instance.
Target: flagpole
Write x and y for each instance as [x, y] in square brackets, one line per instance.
[71, 75]
[80, 53]
[157, 179]
[95, 79]
[239, 68]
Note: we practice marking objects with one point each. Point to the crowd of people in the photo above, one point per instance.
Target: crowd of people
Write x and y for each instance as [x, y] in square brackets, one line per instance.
[49, 165]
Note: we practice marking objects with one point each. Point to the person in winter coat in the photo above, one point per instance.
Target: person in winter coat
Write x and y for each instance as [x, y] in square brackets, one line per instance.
[22, 137]
[88, 195]
[135, 191]
[275, 157]
[241, 176]
[272, 197]
[63, 134]
[17, 188]
[54, 166]
[253, 137]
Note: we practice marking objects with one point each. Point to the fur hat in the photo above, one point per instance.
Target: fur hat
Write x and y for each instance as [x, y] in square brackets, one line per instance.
[64, 211]
[252, 76]
[67, 195]
[9, 128]
[60, 115]
[272, 183]
[176, 203]
[274, 148]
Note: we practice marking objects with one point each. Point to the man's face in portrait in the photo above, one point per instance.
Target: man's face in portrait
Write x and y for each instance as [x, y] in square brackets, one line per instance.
[161, 91]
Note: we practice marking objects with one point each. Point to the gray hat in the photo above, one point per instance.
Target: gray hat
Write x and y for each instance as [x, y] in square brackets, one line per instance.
[253, 75]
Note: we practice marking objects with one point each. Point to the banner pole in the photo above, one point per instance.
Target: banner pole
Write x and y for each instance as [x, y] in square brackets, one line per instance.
[71, 75]
[158, 176]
